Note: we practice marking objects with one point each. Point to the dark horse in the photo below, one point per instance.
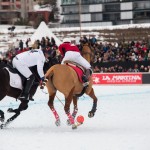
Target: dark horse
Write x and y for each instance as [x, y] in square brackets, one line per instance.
[7, 90]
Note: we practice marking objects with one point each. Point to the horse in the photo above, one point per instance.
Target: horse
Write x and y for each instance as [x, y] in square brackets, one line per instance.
[87, 52]
[63, 78]
[7, 90]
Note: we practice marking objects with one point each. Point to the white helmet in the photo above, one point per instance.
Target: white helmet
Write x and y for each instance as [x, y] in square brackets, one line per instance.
[65, 40]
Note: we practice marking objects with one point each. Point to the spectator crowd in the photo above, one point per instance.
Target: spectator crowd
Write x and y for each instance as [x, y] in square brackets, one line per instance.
[134, 52]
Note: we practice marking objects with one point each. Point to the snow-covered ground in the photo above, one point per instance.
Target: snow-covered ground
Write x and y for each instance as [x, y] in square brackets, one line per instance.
[122, 122]
[25, 32]
[20, 32]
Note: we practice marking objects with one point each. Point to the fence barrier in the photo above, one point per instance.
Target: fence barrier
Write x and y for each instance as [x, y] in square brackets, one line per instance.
[121, 78]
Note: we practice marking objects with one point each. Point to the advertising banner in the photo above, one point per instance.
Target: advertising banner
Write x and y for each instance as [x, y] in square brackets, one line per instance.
[117, 78]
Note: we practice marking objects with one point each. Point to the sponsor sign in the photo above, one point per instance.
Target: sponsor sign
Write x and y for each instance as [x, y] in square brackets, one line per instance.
[117, 78]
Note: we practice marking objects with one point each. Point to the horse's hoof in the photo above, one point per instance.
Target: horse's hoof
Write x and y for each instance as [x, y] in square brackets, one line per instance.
[57, 122]
[10, 110]
[74, 126]
[2, 119]
[68, 122]
[2, 126]
[91, 114]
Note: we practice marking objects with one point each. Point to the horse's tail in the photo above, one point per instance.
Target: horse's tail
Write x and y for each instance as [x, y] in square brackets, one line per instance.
[49, 75]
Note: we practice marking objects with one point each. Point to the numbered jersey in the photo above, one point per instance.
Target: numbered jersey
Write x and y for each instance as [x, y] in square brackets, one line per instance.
[63, 48]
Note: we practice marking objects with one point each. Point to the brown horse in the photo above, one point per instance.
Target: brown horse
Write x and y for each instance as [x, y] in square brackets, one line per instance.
[87, 52]
[64, 79]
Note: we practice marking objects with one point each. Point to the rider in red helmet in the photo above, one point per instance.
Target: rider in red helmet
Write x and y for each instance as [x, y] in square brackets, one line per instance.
[71, 52]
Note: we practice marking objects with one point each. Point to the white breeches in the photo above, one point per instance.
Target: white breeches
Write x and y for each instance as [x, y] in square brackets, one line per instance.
[22, 68]
[76, 57]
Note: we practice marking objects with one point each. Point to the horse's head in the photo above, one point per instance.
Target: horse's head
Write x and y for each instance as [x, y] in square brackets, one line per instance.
[87, 52]
[4, 63]
[51, 60]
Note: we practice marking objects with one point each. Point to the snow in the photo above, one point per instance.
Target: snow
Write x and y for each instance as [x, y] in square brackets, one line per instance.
[25, 32]
[45, 8]
[120, 123]
[143, 25]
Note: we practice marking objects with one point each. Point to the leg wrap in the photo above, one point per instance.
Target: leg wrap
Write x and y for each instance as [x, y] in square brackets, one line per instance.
[55, 113]
[70, 118]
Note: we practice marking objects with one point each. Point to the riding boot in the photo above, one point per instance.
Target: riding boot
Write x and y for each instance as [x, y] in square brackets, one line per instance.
[85, 77]
[33, 91]
[25, 93]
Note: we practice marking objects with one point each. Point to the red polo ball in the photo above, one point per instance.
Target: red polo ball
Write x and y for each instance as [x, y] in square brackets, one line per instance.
[80, 119]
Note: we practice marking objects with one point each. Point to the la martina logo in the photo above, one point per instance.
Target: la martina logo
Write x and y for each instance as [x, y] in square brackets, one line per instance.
[121, 77]
[96, 80]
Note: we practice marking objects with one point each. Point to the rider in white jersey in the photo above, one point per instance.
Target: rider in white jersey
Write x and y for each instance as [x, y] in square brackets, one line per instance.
[23, 61]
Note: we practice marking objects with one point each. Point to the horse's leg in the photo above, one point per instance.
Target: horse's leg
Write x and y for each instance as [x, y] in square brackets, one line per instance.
[2, 95]
[94, 107]
[75, 109]
[2, 118]
[22, 106]
[68, 101]
[3, 90]
[51, 106]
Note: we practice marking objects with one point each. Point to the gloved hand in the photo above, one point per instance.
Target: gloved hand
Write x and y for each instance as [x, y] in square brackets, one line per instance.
[43, 82]
[42, 79]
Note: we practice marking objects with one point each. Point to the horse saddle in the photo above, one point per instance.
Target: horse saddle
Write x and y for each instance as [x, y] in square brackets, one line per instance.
[80, 70]
[17, 80]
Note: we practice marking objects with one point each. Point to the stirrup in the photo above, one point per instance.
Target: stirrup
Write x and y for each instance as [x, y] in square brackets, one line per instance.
[85, 84]
[84, 78]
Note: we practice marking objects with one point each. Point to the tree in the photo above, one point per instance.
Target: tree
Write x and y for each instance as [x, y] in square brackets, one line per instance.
[55, 10]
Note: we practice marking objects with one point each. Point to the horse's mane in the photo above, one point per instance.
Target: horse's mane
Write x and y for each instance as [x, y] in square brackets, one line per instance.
[4, 63]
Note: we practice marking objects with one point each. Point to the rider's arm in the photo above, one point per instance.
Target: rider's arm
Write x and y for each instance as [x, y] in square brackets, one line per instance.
[60, 48]
[40, 65]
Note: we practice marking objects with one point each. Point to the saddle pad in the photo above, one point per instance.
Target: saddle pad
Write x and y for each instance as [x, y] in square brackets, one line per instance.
[78, 71]
[15, 80]
[74, 64]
